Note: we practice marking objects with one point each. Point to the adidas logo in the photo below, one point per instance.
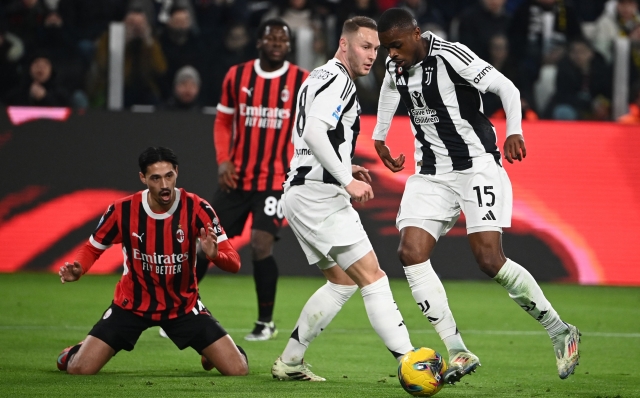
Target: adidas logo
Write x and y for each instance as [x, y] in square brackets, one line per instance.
[489, 216]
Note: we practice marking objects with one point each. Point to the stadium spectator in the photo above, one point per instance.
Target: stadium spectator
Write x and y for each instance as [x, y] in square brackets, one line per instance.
[11, 51]
[538, 32]
[38, 87]
[618, 21]
[160, 288]
[144, 64]
[181, 46]
[87, 20]
[428, 16]
[24, 18]
[480, 23]
[583, 85]
[499, 58]
[213, 17]
[57, 38]
[633, 117]
[234, 50]
[449, 9]
[186, 89]
[252, 137]
[351, 8]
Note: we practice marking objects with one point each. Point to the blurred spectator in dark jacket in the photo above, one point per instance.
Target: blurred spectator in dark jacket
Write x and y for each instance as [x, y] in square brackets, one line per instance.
[11, 51]
[87, 20]
[481, 22]
[583, 85]
[186, 89]
[236, 48]
[351, 8]
[181, 46]
[38, 87]
[427, 16]
[214, 16]
[449, 9]
[538, 31]
[144, 64]
[24, 17]
[618, 21]
[56, 36]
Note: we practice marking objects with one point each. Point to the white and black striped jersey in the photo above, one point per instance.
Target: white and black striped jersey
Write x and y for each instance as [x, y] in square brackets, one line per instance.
[328, 94]
[444, 104]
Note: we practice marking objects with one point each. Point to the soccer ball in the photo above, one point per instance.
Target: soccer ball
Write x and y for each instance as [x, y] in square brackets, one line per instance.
[420, 372]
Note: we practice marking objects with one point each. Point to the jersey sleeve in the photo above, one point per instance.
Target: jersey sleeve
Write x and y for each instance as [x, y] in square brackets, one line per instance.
[108, 231]
[387, 104]
[331, 99]
[227, 102]
[206, 215]
[478, 72]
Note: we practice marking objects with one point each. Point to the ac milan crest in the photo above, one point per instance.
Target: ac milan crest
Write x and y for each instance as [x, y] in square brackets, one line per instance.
[285, 94]
[180, 234]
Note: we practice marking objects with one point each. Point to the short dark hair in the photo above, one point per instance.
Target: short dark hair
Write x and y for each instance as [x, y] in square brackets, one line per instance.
[273, 22]
[352, 25]
[153, 155]
[396, 18]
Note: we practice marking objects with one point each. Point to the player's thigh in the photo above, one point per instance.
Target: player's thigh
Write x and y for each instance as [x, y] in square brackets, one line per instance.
[427, 197]
[485, 196]
[119, 328]
[267, 212]
[336, 275]
[366, 270]
[197, 329]
[91, 357]
[232, 208]
[225, 356]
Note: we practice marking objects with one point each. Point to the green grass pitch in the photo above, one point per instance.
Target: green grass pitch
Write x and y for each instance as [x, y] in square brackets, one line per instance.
[39, 317]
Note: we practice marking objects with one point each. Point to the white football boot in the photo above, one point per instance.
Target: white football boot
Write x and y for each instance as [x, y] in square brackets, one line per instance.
[567, 351]
[282, 371]
[262, 331]
[461, 364]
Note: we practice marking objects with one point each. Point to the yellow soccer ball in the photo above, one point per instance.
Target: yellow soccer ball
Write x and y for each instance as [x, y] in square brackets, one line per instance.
[420, 372]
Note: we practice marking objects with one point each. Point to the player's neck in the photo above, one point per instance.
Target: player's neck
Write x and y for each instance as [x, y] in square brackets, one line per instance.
[424, 49]
[269, 66]
[340, 56]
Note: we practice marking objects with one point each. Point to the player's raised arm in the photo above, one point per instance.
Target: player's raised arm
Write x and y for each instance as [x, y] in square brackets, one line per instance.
[214, 241]
[85, 258]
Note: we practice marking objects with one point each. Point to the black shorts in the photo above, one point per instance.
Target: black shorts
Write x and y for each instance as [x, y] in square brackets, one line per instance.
[120, 329]
[234, 207]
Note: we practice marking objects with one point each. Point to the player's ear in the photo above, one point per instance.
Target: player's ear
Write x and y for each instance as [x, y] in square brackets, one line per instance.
[343, 43]
[417, 33]
[176, 169]
[142, 178]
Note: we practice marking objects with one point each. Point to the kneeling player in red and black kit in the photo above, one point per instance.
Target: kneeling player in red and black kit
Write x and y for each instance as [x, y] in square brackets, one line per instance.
[158, 229]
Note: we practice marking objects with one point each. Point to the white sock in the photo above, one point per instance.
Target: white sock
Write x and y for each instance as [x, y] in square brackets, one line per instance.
[316, 314]
[524, 290]
[385, 317]
[429, 293]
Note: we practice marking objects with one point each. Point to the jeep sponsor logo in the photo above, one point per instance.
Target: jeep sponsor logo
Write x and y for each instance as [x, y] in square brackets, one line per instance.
[482, 73]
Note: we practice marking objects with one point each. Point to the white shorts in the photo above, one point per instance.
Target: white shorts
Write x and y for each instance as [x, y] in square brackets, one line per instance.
[322, 218]
[483, 193]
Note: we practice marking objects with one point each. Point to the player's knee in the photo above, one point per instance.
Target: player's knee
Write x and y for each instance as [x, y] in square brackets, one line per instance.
[261, 248]
[489, 262]
[237, 368]
[410, 255]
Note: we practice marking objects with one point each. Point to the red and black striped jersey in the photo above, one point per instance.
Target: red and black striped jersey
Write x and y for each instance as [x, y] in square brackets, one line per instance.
[263, 106]
[158, 280]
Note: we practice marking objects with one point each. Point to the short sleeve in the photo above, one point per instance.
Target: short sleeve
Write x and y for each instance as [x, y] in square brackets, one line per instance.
[478, 72]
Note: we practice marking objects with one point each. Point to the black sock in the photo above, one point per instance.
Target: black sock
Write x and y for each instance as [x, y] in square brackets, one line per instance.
[202, 265]
[265, 275]
[73, 352]
[243, 353]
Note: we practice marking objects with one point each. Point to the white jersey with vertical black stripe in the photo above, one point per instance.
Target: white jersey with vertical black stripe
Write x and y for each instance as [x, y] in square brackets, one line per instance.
[442, 96]
[328, 94]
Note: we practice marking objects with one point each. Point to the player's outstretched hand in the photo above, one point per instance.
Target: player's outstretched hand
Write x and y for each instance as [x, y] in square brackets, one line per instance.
[360, 173]
[514, 148]
[227, 176]
[70, 272]
[209, 241]
[384, 153]
[359, 191]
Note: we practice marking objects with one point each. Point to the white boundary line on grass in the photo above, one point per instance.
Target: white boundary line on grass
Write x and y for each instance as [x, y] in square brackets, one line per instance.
[343, 331]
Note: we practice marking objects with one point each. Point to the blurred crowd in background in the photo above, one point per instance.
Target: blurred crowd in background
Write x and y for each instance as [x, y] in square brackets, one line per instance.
[559, 53]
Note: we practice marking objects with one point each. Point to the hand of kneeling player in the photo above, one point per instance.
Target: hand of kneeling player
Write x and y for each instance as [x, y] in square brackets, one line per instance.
[70, 272]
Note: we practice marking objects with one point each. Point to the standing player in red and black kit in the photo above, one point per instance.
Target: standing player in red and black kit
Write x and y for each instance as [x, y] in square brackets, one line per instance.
[158, 229]
[252, 136]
